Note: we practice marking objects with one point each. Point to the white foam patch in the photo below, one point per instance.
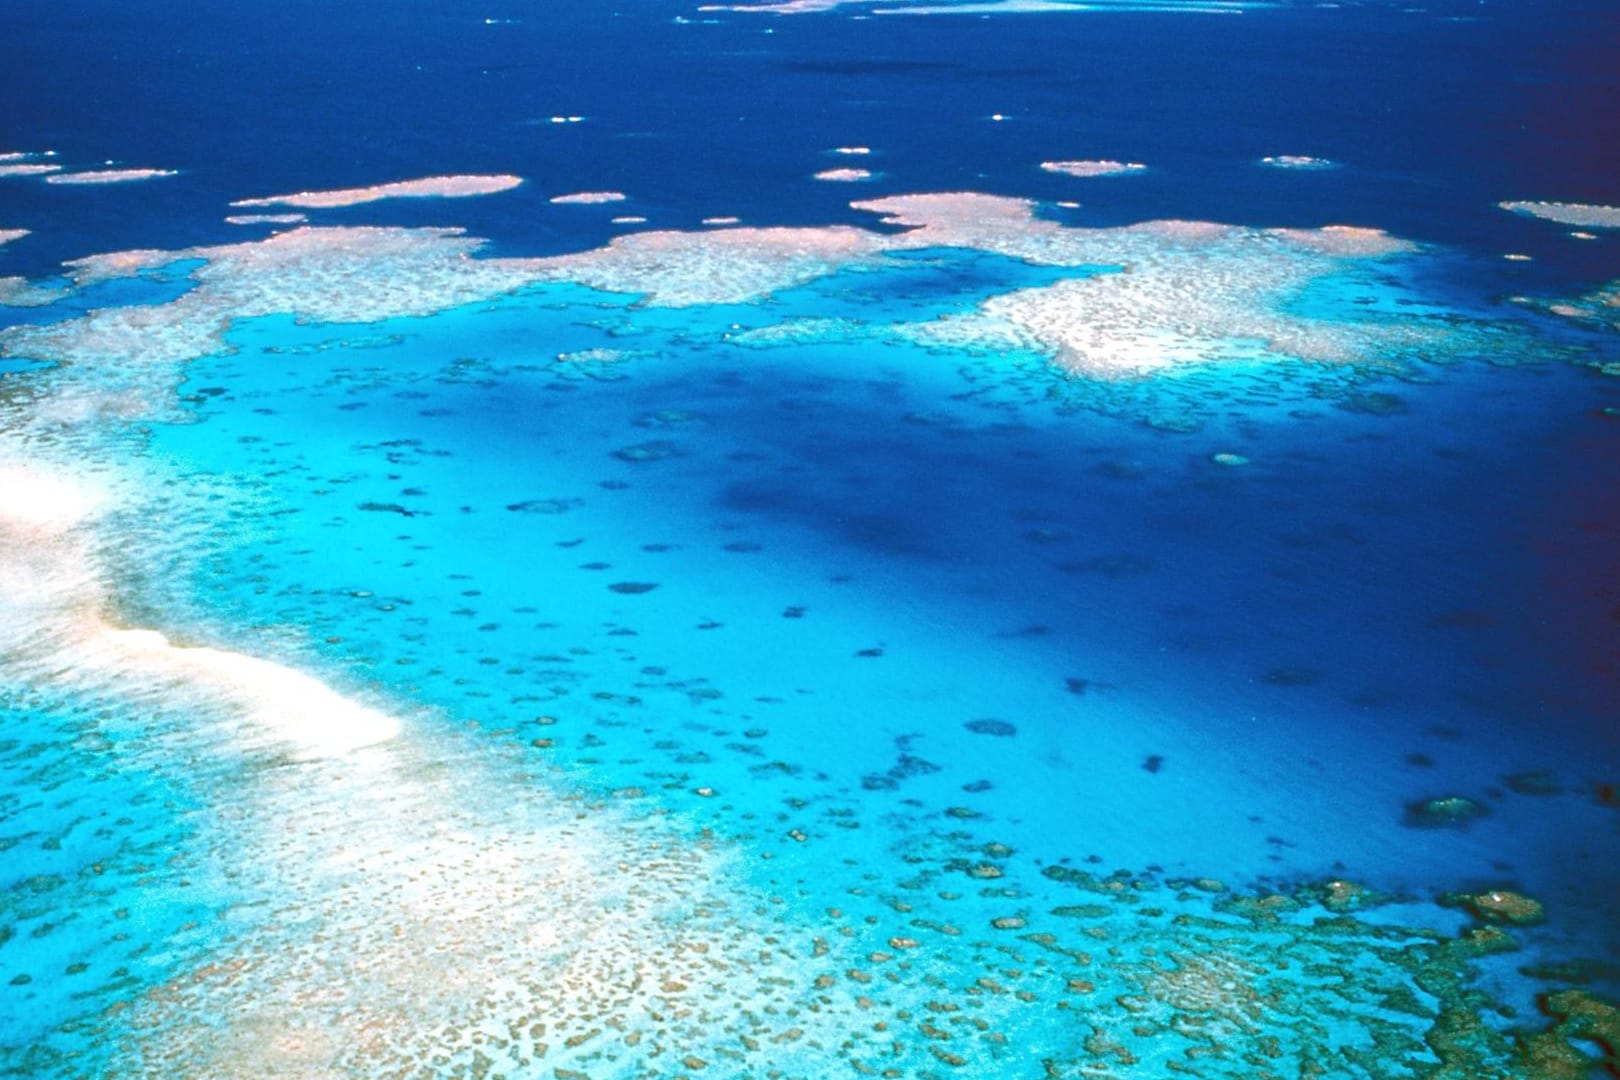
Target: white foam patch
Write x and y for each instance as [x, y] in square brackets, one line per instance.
[41, 503]
[8, 235]
[1599, 308]
[284, 704]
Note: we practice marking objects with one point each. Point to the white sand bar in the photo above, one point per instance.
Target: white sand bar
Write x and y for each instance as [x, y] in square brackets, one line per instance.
[53, 604]
[20, 292]
[440, 187]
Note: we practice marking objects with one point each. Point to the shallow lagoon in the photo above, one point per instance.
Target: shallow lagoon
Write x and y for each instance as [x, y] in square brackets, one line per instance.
[929, 637]
[823, 679]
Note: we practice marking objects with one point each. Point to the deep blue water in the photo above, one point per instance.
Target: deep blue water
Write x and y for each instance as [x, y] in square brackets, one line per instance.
[842, 639]
[1442, 113]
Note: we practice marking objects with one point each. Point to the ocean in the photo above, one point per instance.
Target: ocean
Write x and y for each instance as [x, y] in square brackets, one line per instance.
[994, 540]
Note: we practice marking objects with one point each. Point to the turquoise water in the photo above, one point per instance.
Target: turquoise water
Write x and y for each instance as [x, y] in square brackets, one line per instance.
[939, 635]
[886, 680]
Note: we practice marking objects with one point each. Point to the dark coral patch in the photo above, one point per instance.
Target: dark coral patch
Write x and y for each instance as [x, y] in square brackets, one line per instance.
[1444, 812]
[657, 450]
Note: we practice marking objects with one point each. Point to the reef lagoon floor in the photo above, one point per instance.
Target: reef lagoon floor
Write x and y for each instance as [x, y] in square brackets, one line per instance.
[812, 539]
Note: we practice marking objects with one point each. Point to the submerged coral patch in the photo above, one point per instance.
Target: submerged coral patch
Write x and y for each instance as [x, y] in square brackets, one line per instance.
[20, 292]
[1599, 308]
[1502, 906]
[1445, 812]
[1195, 293]
[335, 275]
[1142, 298]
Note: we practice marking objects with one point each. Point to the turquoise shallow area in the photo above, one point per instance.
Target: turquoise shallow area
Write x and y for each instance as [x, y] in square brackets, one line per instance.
[486, 498]
[935, 643]
[830, 683]
[102, 898]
